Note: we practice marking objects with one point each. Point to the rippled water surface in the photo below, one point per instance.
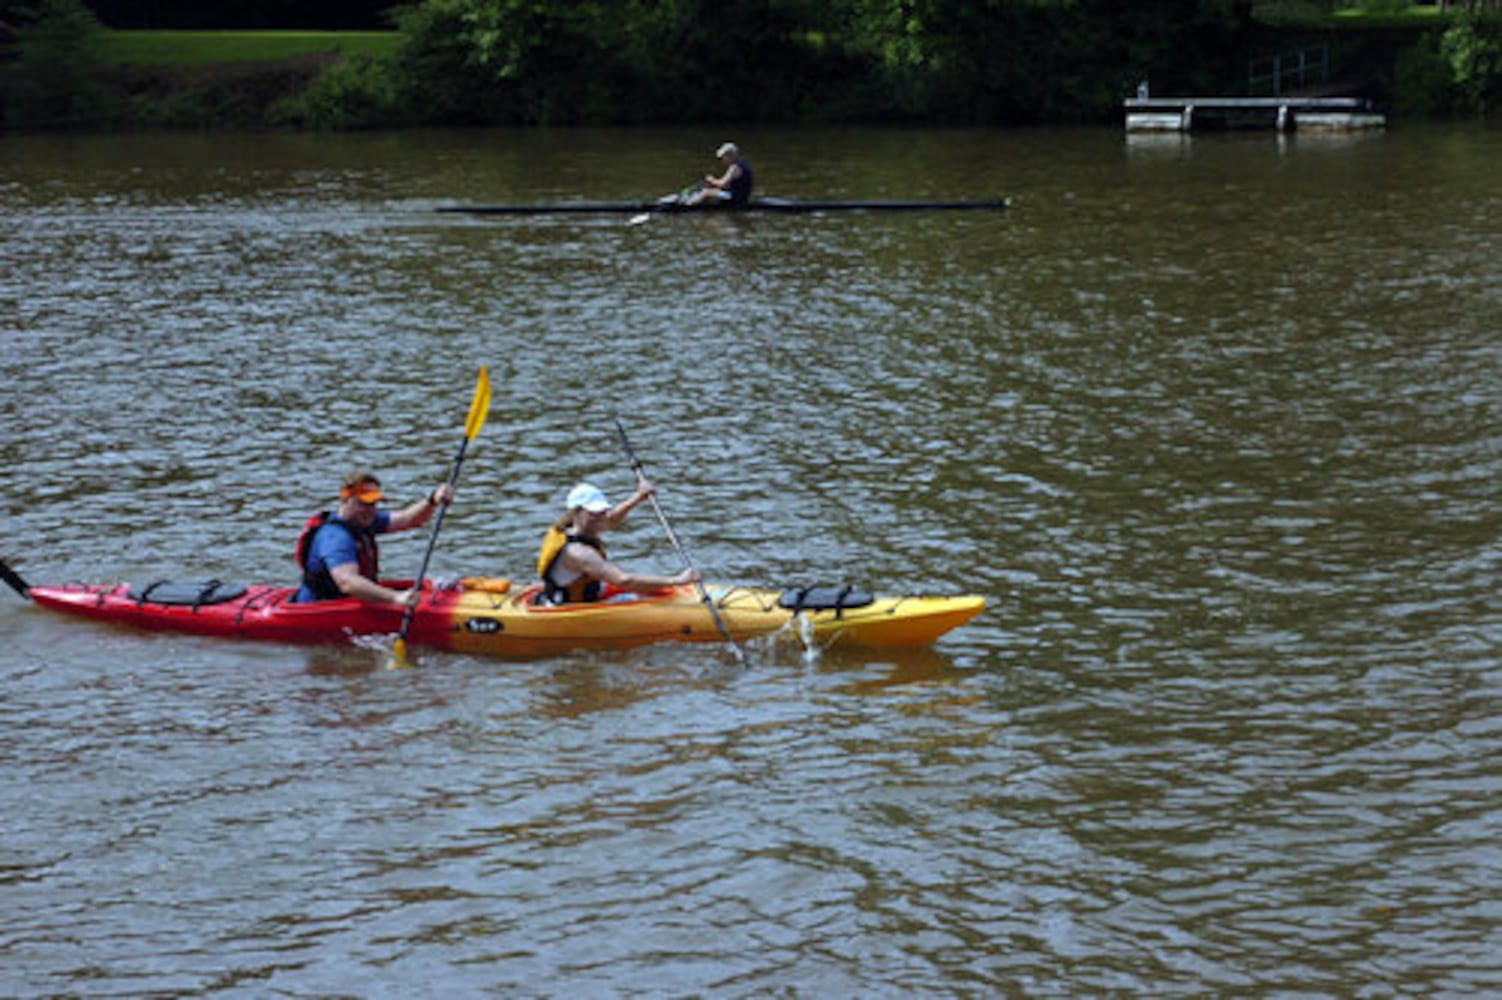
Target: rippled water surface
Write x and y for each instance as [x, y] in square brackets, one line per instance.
[1213, 423]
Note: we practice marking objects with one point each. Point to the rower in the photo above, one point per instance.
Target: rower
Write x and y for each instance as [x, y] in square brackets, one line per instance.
[730, 189]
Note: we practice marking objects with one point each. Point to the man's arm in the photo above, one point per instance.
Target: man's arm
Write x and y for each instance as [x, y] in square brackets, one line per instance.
[417, 514]
[351, 584]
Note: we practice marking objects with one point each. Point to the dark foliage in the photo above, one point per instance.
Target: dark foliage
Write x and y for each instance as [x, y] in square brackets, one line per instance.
[959, 62]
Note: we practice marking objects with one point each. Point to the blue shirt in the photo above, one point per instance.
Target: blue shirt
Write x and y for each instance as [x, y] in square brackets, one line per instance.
[334, 546]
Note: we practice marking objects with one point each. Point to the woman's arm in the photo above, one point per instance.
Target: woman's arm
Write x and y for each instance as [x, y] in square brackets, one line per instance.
[644, 489]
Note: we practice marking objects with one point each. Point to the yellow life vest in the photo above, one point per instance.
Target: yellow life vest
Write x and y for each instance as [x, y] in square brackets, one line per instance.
[580, 590]
[552, 544]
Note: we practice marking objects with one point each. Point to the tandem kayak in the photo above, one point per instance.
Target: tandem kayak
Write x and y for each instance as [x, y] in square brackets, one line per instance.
[490, 617]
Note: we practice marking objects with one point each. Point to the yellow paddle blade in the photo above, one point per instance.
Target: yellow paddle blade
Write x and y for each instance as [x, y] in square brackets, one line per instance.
[480, 406]
[398, 659]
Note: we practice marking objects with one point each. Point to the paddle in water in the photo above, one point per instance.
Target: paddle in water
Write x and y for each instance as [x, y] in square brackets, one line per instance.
[667, 202]
[667, 528]
[478, 408]
[13, 578]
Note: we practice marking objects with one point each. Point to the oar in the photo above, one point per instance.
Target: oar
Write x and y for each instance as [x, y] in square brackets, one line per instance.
[683, 196]
[667, 528]
[13, 578]
[478, 408]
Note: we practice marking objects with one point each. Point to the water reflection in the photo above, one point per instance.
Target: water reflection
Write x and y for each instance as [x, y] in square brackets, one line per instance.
[591, 683]
[1160, 145]
[873, 672]
[347, 660]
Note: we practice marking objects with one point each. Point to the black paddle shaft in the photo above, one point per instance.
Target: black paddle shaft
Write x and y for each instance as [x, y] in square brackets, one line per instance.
[667, 528]
[427, 555]
[13, 578]
[678, 547]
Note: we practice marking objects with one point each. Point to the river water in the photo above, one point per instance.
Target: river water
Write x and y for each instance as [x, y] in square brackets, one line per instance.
[1215, 423]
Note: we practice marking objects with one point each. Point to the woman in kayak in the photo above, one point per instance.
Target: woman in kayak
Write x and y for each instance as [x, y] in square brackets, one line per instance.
[731, 188]
[572, 563]
[338, 552]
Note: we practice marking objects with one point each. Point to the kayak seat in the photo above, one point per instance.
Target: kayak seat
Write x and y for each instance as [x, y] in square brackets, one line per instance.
[194, 593]
[797, 599]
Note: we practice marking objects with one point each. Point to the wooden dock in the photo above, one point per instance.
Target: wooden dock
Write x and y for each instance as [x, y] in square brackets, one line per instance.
[1193, 114]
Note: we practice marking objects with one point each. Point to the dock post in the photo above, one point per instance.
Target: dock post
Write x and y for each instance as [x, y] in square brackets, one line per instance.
[1283, 118]
[1186, 119]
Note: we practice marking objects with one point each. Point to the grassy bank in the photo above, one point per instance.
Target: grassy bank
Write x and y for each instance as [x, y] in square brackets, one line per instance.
[1408, 17]
[1368, 16]
[219, 48]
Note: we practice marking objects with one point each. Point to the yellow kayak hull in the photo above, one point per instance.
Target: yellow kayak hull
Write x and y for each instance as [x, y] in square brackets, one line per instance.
[511, 623]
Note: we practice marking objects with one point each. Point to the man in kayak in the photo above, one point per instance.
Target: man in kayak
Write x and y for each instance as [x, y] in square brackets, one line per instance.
[731, 188]
[338, 552]
[572, 563]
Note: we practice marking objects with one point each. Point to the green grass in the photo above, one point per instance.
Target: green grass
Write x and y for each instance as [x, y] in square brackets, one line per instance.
[213, 48]
[1409, 17]
[1318, 14]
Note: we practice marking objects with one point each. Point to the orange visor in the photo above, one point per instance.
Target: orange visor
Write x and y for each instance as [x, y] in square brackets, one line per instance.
[365, 493]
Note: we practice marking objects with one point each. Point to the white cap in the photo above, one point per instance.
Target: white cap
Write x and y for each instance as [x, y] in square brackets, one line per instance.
[727, 147]
[588, 496]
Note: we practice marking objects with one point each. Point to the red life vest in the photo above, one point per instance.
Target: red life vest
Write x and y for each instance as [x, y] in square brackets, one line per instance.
[321, 581]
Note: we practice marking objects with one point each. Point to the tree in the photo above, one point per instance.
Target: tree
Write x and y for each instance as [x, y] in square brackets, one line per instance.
[982, 61]
[618, 60]
[57, 52]
[1474, 55]
[504, 60]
